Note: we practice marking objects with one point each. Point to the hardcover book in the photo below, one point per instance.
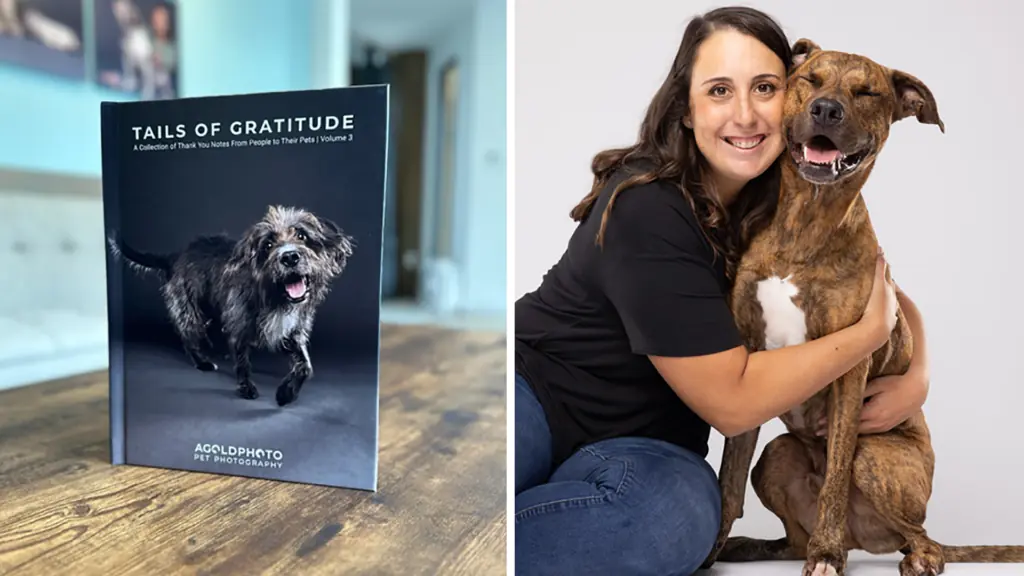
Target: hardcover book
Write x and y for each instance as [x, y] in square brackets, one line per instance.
[244, 282]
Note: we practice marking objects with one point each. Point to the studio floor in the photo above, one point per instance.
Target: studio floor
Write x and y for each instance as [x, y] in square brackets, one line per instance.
[859, 564]
[171, 407]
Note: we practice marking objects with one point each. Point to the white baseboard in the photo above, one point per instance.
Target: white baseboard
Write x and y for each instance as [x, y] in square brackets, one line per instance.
[411, 312]
[62, 366]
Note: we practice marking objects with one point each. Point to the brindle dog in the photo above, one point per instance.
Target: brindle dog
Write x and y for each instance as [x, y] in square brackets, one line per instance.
[808, 274]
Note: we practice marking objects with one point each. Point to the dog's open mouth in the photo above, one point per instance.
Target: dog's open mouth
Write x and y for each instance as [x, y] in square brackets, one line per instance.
[820, 160]
[295, 288]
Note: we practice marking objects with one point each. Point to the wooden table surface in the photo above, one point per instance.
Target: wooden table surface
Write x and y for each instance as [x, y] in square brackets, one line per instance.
[439, 507]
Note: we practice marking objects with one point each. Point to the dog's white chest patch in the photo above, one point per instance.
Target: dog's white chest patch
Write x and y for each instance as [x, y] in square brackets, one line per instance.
[784, 322]
[278, 325]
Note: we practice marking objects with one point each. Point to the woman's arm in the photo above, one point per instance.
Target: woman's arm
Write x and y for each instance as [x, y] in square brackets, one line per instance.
[919, 361]
[736, 391]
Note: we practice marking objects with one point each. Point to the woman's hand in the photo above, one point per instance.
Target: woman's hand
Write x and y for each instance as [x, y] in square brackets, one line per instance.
[880, 311]
[891, 400]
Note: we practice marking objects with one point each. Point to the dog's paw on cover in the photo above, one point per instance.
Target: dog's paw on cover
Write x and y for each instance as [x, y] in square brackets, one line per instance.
[206, 366]
[285, 395]
[248, 391]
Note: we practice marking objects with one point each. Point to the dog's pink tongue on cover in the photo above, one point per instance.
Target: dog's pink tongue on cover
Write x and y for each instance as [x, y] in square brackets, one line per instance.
[296, 289]
[819, 156]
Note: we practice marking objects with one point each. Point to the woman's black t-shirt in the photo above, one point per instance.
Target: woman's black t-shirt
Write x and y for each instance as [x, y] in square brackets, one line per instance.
[582, 338]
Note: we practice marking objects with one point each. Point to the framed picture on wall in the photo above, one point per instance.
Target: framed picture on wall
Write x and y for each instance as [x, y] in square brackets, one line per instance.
[137, 47]
[44, 35]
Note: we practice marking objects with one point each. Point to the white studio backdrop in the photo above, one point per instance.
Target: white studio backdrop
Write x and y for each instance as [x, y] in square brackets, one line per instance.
[947, 207]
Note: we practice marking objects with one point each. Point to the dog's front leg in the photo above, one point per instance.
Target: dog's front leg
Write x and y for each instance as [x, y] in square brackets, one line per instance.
[732, 481]
[826, 550]
[301, 370]
[243, 369]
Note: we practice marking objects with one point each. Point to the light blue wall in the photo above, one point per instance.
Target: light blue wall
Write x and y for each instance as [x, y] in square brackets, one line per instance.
[477, 43]
[240, 46]
[228, 46]
[50, 124]
[485, 224]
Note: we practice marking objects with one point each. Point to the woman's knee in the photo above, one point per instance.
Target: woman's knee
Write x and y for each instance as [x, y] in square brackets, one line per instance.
[683, 512]
[533, 439]
[660, 513]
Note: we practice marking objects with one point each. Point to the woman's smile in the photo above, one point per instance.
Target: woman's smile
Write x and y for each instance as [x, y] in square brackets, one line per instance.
[746, 144]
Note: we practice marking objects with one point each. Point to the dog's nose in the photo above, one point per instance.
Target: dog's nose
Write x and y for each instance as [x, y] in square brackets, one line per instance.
[290, 259]
[826, 111]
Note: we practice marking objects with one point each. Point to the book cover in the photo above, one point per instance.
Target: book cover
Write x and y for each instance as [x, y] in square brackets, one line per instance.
[244, 282]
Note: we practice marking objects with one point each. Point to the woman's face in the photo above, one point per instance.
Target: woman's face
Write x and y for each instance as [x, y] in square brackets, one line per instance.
[736, 100]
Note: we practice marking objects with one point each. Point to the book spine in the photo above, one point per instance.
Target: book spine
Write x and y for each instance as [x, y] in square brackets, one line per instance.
[110, 158]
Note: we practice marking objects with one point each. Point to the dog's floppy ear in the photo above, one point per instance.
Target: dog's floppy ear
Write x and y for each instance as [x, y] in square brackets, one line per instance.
[245, 249]
[913, 98]
[802, 50]
[339, 244]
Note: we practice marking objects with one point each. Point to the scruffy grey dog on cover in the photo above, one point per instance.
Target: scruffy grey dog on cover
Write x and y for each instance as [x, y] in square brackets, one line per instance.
[263, 290]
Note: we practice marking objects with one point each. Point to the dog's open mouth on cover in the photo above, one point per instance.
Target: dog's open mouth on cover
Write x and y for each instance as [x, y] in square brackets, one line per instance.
[821, 161]
[295, 288]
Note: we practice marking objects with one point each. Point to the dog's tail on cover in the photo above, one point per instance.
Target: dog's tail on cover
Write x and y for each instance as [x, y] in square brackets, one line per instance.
[984, 554]
[142, 262]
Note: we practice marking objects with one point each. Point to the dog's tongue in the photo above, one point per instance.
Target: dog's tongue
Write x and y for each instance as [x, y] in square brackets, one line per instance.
[296, 289]
[821, 156]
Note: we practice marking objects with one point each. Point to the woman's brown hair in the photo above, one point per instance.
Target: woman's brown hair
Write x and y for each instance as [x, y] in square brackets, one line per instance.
[665, 142]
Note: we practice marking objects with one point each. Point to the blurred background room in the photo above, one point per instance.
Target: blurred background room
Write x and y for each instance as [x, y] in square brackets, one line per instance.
[444, 232]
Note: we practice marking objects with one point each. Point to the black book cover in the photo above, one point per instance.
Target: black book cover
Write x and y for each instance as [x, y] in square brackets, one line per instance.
[244, 282]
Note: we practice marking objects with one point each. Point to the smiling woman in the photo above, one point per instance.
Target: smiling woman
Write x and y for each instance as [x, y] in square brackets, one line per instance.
[628, 354]
[736, 113]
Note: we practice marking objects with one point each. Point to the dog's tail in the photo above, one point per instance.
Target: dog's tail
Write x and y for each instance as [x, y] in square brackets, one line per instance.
[984, 554]
[142, 262]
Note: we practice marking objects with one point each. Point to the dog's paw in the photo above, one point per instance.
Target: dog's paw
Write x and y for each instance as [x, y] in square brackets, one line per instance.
[916, 564]
[710, 560]
[723, 537]
[825, 556]
[285, 395]
[823, 567]
[206, 366]
[248, 391]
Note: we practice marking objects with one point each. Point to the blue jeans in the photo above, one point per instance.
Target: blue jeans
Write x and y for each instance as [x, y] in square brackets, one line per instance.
[631, 506]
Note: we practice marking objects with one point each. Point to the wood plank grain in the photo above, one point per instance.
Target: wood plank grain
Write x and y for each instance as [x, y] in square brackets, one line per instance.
[439, 508]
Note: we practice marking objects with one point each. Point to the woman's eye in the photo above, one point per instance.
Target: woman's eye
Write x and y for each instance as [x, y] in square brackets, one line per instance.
[766, 88]
[718, 91]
